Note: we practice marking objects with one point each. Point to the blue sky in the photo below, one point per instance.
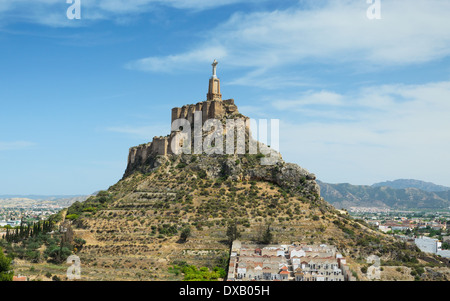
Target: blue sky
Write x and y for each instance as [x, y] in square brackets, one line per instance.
[359, 100]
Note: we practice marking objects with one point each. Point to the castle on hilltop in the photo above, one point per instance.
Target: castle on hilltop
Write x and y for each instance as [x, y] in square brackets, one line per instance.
[213, 108]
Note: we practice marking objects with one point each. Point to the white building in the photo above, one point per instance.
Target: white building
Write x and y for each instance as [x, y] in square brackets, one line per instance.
[298, 253]
[13, 223]
[443, 253]
[427, 245]
[384, 228]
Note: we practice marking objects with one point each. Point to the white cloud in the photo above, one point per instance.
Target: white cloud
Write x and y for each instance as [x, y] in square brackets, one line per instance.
[136, 6]
[53, 12]
[15, 145]
[173, 63]
[410, 32]
[261, 78]
[141, 132]
[320, 98]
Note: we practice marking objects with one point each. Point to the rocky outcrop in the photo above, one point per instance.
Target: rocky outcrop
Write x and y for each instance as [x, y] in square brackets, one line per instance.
[146, 158]
[237, 168]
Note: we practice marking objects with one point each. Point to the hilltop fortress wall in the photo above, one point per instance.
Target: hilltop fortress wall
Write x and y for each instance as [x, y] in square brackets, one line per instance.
[210, 109]
[215, 109]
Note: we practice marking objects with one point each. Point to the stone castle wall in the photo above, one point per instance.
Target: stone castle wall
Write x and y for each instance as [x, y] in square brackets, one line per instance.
[210, 109]
[217, 109]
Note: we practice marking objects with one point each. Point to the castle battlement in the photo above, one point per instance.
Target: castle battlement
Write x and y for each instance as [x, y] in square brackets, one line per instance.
[215, 109]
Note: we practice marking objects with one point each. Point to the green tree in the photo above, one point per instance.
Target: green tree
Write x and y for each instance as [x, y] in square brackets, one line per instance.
[446, 246]
[185, 234]
[78, 243]
[233, 232]
[6, 272]
[220, 272]
[58, 254]
[267, 236]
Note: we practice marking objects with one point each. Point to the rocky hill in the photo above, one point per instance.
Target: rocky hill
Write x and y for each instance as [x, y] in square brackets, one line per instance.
[135, 226]
[133, 230]
[170, 209]
[347, 195]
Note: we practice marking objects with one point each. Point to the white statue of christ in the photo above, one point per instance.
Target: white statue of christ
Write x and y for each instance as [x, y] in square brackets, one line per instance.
[214, 65]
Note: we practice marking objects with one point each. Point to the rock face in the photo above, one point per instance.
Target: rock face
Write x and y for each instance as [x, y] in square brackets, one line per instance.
[236, 168]
[148, 157]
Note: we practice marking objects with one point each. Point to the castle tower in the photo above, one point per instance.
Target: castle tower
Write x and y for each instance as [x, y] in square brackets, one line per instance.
[214, 85]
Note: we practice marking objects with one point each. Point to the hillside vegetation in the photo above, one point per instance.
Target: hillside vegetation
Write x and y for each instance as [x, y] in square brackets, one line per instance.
[134, 230]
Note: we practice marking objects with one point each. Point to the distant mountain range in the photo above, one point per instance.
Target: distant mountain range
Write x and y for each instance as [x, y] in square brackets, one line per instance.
[408, 183]
[398, 194]
[38, 197]
[29, 200]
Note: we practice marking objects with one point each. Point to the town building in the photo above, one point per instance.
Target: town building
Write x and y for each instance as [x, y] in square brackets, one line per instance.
[249, 262]
[431, 245]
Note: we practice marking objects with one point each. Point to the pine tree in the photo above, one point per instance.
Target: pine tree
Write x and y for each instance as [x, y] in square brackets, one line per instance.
[6, 272]
[268, 236]
[233, 232]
